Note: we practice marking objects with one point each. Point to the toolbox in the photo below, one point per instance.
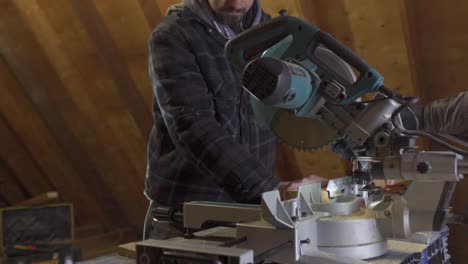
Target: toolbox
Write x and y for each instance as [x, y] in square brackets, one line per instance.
[38, 235]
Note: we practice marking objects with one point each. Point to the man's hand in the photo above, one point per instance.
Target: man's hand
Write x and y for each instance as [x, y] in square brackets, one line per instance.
[288, 186]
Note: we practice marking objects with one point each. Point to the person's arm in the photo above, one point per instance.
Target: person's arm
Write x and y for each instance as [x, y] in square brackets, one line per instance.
[447, 116]
[188, 111]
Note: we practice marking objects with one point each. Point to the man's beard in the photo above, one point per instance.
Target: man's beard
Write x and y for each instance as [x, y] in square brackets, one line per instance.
[229, 19]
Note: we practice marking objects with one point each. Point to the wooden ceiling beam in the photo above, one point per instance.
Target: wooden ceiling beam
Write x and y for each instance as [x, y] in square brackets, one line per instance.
[18, 158]
[152, 12]
[116, 64]
[10, 188]
[79, 182]
[437, 39]
[114, 148]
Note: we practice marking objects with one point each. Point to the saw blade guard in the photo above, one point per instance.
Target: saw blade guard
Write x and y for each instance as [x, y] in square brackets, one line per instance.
[284, 95]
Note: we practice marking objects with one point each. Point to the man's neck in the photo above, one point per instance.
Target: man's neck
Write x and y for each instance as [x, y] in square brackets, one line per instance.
[236, 28]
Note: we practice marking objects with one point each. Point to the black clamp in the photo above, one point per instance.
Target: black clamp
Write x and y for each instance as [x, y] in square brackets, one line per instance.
[167, 214]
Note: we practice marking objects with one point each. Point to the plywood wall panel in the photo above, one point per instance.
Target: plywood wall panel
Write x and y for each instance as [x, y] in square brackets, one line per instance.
[438, 39]
[11, 191]
[98, 137]
[36, 75]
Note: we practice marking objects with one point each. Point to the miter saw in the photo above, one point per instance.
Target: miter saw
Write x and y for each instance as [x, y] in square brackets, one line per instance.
[308, 88]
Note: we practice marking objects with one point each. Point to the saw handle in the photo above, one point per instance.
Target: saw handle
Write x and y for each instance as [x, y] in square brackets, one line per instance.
[260, 38]
[369, 80]
[245, 46]
[305, 39]
[343, 52]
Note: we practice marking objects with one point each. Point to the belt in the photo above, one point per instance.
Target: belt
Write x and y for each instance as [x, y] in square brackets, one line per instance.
[167, 214]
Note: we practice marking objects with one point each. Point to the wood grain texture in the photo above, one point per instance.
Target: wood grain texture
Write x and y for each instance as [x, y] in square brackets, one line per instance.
[14, 151]
[152, 12]
[111, 161]
[11, 190]
[438, 41]
[43, 87]
[379, 38]
[75, 103]
[118, 67]
[41, 199]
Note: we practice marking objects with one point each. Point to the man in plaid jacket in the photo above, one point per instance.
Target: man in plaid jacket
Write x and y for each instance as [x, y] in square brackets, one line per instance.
[205, 143]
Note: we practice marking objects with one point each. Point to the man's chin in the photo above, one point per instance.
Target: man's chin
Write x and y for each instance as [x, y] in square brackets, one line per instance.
[230, 20]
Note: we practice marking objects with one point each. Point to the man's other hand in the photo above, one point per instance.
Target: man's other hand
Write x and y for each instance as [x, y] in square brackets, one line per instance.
[289, 186]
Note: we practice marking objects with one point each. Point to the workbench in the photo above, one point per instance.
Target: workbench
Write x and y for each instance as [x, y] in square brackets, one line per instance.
[400, 252]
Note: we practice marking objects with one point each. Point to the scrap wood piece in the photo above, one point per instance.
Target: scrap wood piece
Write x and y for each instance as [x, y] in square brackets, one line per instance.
[40, 199]
[127, 250]
[106, 243]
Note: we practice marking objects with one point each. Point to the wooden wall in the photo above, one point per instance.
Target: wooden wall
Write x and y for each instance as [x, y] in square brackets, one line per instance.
[75, 95]
[438, 39]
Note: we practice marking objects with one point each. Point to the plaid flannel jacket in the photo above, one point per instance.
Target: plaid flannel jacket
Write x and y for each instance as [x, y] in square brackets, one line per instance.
[205, 143]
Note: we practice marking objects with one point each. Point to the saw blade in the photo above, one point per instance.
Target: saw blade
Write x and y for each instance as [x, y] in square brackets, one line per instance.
[301, 133]
[309, 134]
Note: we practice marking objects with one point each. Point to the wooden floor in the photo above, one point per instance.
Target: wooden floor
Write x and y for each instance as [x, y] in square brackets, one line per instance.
[110, 259]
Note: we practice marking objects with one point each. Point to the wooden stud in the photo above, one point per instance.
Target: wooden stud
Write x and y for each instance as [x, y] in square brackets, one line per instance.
[41, 83]
[42, 199]
[10, 188]
[128, 250]
[437, 39]
[105, 244]
[116, 145]
[85, 231]
[152, 12]
[117, 65]
[17, 157]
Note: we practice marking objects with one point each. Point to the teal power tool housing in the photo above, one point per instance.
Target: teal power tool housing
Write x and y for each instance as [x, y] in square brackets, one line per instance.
[307, 87]
[298, 68]
[295, 72]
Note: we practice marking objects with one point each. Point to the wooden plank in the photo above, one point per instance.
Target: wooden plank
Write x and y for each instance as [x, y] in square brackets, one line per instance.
[152, 12]
[129, 44]
[10, 189]
[83, 232]
[379, 38]
[411, 38]
[457, 247]
[3, 204]
[45, 89]
[329, 16]
[437, 39]
[127, 250]
[16, 155]
[132, 45]
[117, 65]
[165, 4]
[116, 146]
[42, 199]
[44, 150]
[273, 7]
[99, 245]
[90, 140]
